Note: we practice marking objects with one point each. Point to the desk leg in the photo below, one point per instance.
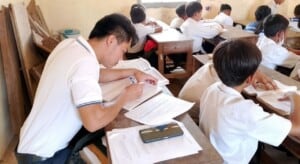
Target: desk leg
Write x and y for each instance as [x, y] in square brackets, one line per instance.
[161, 63]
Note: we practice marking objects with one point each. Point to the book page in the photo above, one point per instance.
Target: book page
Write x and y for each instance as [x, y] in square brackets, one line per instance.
[271, 99]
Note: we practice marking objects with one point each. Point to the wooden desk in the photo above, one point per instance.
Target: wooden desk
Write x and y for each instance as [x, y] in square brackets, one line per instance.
[292, 144]
[232, 33]
[207, 155]
[170, 42]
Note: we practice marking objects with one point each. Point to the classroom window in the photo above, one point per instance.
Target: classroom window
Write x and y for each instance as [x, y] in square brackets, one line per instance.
[163, 3]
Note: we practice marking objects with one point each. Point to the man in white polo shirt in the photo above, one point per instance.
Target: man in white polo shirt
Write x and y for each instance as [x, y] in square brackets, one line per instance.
[69, 96]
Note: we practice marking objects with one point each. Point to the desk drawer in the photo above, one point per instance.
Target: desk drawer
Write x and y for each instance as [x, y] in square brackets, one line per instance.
[176, 48]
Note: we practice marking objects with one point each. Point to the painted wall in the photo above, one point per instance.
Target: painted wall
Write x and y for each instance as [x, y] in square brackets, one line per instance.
[82, 15]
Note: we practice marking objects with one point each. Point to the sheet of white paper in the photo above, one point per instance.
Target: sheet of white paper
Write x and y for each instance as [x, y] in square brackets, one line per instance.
[260, 90]
[159, 109]
[271, 99]
[148, 92]
[126, 146]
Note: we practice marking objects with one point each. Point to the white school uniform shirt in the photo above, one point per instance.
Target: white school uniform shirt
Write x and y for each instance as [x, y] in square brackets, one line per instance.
[275, 55]
[142, 32]
[176, 22]
[69, 80]
[197, 30]
[234, 125]
[224, 19]
[273, 6]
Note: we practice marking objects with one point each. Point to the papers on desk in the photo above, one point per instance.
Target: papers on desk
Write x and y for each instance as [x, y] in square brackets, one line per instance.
[126, 146]
[159, 109]
[143, 65]
[113, 89]
[270, 97]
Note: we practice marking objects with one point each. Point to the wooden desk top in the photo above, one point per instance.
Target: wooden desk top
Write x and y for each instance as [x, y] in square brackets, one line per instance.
[292, 34]
[168, 36]
[207, 155]
[234, 33]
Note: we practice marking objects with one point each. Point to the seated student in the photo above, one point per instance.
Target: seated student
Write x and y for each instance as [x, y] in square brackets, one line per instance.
[69, 95]
[203, 78]
[295, 23]
[235, 125]
[181, 17]
[274, 4]
[223, 17]
[270, 44]
[260, 14]
[196, 28]
[143, 28]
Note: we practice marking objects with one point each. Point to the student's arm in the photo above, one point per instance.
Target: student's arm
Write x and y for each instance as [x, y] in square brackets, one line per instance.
[295, 51]
[261, 78]
[107, 75]
[97, 116]
[208, 30]
[295, 114]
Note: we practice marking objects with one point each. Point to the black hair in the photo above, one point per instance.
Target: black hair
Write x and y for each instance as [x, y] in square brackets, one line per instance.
[192, 8]
[297, 14]
[235, 60]
[224, 7]
[117, 25]
[180, 10]
[260, 14]
[137, 13]
[274, 24]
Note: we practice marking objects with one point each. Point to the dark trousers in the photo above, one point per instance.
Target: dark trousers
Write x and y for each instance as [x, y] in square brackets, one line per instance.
[59, 157]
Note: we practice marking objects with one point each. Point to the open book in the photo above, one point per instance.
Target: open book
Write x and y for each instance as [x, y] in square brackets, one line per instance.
[143, 65]
[270, 98]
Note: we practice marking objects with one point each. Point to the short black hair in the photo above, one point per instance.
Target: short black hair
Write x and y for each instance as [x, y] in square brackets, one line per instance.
[274, 24]
[115, 24]
[297, 11]
[262, 12]
[235, 60]
[137, 13]
[224, 7]
[192, 8]
[180, 10]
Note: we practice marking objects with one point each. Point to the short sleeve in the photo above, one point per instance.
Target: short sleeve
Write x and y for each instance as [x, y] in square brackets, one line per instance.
[84, 85]
[267, 127]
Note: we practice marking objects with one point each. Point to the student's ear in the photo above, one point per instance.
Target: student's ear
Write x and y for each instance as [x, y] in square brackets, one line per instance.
[250, 79]
[109, 40]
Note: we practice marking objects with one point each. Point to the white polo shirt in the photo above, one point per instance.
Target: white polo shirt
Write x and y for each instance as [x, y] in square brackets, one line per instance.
[224, 19]
[69, 80]
[176, 22]
[275, 55]
[235, 125]
[142, 32]
[197, 30]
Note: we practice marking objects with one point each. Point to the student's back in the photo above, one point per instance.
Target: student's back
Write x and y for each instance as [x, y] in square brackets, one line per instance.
[223, 17]
[233, 124]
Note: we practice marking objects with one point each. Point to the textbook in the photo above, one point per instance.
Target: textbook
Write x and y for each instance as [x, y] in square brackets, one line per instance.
[143, 65]
[270, 98]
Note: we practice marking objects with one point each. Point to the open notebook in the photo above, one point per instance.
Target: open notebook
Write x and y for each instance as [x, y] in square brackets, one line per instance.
[270, 98]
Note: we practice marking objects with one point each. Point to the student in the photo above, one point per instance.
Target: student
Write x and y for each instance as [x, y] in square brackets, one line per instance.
[203, 78]
[270, 44]
[274, 4]
[260, 14]
[143, 28]
[223, 17]
[181, 17]
[69, 96]
[295, 23]
[196, 28]
[235, 125]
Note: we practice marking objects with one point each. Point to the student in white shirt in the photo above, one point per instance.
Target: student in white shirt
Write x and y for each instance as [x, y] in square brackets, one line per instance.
[196, 28]
[223, 17]
[235, 125]
[181, 17]
[274, 4]
[69, 95]
[203, 78]
[270, 44]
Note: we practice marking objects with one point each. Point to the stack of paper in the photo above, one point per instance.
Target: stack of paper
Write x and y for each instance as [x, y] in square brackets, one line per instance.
[271, 97]
[159, 109]
[126, 146]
